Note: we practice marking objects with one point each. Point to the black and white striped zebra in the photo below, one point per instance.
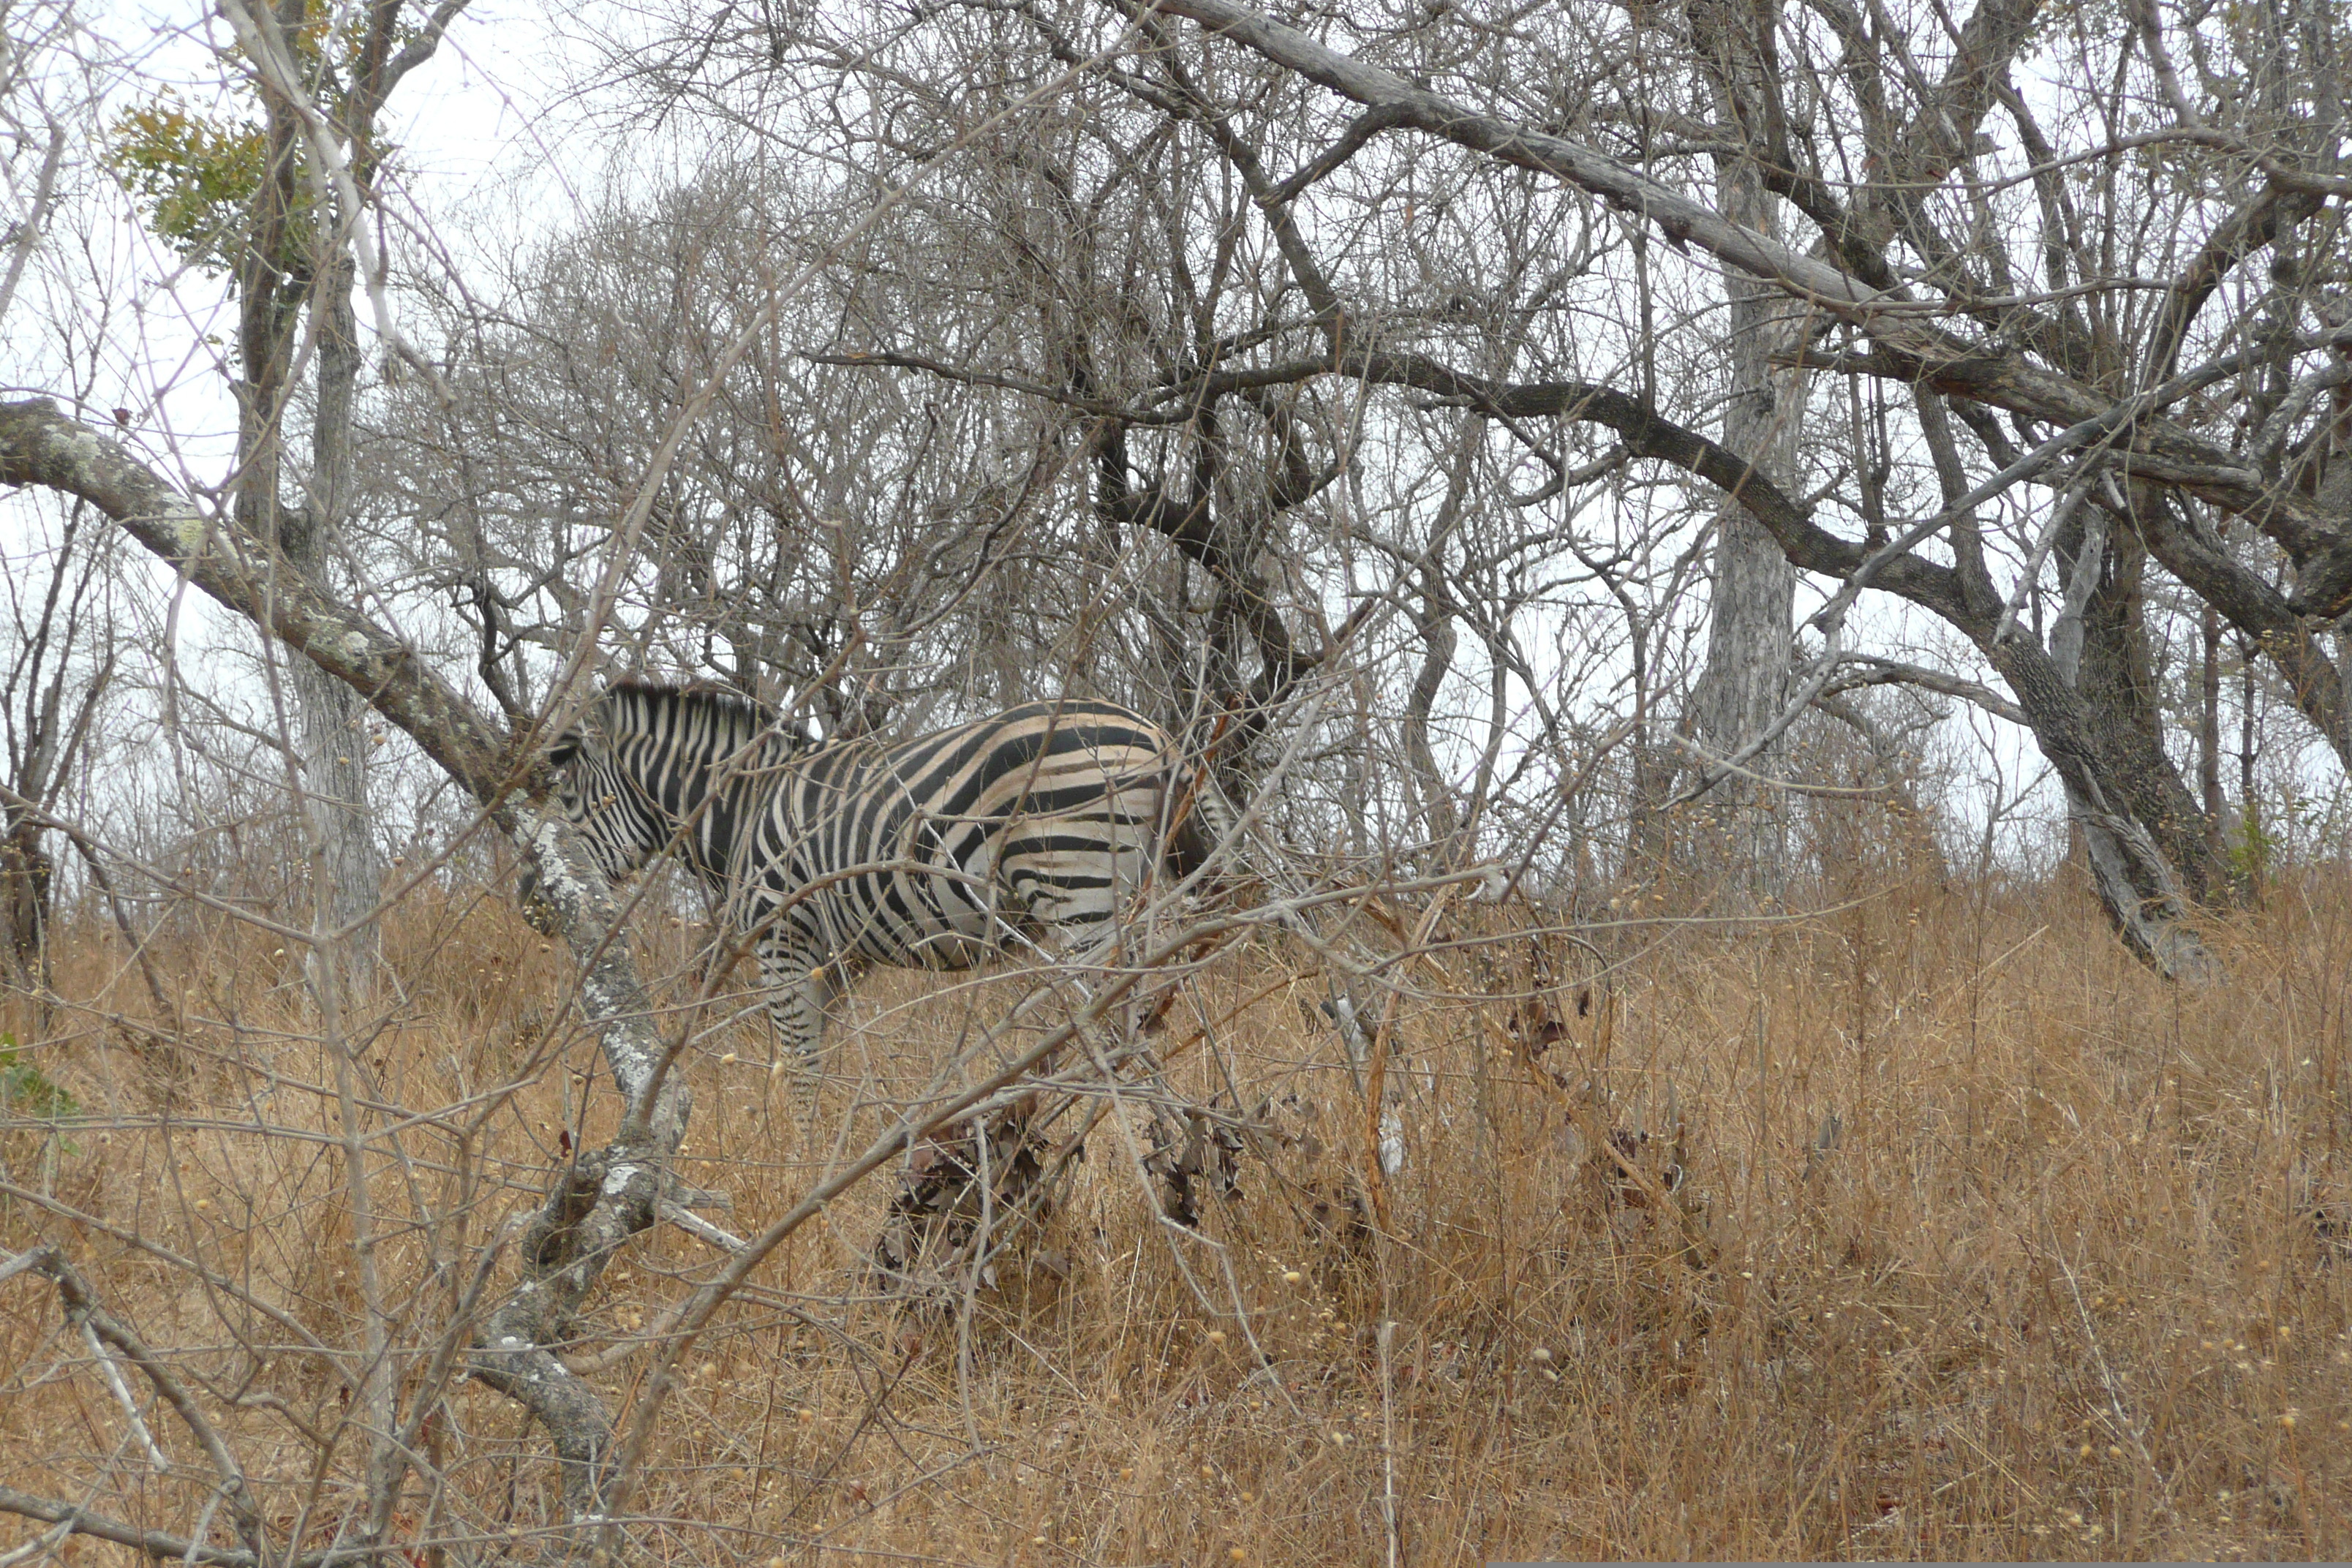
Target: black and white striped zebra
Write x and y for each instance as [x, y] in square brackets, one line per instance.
[1042, 821]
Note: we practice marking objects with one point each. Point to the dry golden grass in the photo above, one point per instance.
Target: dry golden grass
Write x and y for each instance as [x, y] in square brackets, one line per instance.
[2072, 1280]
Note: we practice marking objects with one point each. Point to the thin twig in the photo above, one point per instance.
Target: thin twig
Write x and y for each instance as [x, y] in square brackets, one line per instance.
[113, 1375]
[696, 1226]
[82, 1307]
[2107, 1375]
[1388, 1439]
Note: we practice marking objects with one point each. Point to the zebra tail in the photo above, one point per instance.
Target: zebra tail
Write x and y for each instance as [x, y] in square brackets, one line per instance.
[1203, 822]
[1190, 847]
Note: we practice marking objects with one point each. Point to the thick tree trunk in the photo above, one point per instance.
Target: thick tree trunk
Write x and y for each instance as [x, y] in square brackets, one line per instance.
[2209, 730]
[334, 739]
[26, 883]
[329, 717]
[2136, 882]
[1744, 682]
[334, 744]
[2116, 674]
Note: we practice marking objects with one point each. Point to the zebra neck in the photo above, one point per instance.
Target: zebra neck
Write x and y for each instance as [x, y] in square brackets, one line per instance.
[716, 820]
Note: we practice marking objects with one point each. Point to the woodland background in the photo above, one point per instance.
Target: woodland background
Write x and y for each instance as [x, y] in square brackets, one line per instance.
[1767, 585]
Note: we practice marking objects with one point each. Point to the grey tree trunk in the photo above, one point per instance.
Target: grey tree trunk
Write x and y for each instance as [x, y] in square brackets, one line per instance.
[2101, 645]
[1744, 681]
[2209, 730]
[1439, 820]
[2136, 883]
[1438, 811]
[334, 739]
[281, 272]
[27, 879]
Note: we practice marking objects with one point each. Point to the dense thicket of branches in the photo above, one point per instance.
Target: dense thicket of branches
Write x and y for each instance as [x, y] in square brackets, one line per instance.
[1174, 372]
[1603, 442]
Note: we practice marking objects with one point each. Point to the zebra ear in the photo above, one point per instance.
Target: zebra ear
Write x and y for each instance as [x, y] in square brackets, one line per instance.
[801, 727]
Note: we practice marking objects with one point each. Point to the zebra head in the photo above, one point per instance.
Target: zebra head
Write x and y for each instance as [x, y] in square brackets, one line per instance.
[637, 768]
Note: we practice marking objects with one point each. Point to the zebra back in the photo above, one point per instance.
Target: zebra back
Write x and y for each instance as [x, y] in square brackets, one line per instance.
[922, 852]
[927, 851]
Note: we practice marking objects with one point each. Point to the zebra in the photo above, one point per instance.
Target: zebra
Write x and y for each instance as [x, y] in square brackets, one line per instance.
[1038, 822]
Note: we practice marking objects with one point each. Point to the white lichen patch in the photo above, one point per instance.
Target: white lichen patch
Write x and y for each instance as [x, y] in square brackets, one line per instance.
[188, 530]
[77, 445]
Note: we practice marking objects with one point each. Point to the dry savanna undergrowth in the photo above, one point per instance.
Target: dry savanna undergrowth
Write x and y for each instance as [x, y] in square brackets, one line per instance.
[2009, 1251]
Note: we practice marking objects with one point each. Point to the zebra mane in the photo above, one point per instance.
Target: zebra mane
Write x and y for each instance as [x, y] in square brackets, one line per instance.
[723, 721]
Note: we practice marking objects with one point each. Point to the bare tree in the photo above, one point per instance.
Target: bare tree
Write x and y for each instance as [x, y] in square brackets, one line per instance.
[1370, 403]
[261, 202]
[1974, 296]
[61, 659]
[396, 1368]
[1745, 683]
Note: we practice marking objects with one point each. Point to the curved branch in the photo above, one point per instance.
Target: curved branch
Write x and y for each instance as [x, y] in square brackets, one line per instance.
[39, 444]
[1909, 349]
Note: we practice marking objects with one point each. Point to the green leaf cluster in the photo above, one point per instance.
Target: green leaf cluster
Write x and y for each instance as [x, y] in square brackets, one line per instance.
[193, 177]
[26, 1091]
[2252, 847]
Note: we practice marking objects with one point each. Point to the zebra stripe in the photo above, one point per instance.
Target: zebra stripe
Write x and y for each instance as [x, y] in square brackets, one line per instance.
[1042, 821]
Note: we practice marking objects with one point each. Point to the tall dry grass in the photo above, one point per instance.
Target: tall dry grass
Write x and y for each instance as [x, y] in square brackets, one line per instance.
[2016, 1253]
